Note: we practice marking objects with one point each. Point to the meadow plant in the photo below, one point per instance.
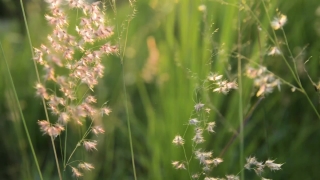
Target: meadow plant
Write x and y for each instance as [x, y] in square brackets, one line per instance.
[264, 80]
[201, 125]
[72, 63]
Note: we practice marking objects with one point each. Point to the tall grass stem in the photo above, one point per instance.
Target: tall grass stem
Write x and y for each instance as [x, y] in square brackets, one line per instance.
[124, 84]
[38, 78]
[21, 114]
[240, 96]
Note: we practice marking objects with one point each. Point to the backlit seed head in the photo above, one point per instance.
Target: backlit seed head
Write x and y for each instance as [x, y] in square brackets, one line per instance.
[178, 165]
[273, 166]
[274, 51]
[198, 106]
[210, 126]
[178, 140]
[90, 145]
[214, 77]
[98, 130]
[279, 22]
[85, 166]
[193, 121]
[232, 177]
[106, 111]
[76, 172]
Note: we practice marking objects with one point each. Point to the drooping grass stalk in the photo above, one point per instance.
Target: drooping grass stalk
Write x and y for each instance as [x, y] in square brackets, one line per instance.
[275, 41]
[122, 54]
[240, 96]
[21, 114]
[282, 80]
[38, 78]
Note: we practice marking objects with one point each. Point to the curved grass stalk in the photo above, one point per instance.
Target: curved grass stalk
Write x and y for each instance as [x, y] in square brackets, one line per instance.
[282, 80]
[21, 114]
[38, 78]
[124, 85]
[296, 76]
[293, 71]
[274, 41]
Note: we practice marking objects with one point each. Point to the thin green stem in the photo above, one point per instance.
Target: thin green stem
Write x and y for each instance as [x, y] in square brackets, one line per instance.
[276, 42]
[78, 144]
[240, 96]
[65, 146]
[188, 163]
[313, 107]
[124, 86]
[296, 76]
[21, 114]
[74, 150]
[291, 55]
[38, 78]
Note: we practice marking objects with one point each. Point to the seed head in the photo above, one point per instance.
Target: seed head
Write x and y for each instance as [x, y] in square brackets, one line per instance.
[178, 140]
[90, 145]
[76, 172]
[98, 130]
[178, 165]
[273, 166]
[198, 107]
[41, 91]
[274, 51]
[85, 166]
[106, 111]
[214, 77]
[232, 177]
[44, 126]
[210, 126]
[193, 121]
[279, 22]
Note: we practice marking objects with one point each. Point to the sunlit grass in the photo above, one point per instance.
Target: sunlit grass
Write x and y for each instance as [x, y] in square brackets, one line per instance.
[183, 43]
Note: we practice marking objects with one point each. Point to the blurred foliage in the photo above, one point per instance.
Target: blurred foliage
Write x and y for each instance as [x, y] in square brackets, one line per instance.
[171, 47]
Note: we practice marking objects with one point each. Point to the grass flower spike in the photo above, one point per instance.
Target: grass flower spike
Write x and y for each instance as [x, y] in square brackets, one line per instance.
[72, 64]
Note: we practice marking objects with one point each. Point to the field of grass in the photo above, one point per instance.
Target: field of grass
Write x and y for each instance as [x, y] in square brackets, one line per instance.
[158, 81]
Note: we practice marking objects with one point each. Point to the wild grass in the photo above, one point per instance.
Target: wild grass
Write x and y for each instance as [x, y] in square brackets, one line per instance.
[166, 54]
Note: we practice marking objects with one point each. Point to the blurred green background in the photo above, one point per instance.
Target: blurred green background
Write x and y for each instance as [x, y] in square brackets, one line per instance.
[172, 47]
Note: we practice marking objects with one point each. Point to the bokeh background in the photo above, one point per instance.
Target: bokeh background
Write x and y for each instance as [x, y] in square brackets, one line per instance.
[172, 46]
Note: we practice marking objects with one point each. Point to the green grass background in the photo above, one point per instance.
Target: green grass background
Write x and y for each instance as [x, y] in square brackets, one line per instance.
[191, 44]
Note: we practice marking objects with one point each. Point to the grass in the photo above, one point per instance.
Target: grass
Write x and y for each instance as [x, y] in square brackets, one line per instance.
[191, 44]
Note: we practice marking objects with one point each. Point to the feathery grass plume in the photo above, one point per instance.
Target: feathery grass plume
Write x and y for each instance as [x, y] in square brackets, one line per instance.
[222, 86]
[85, 166]
[202, 126]
[178, 165]
[279, 22]
[264, 80]
[178, 140]
[70, 73]
[258, 167]
[274, 51]
[200, 123]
